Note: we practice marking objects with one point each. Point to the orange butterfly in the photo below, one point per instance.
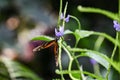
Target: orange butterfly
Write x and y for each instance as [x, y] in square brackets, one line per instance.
[47, 45]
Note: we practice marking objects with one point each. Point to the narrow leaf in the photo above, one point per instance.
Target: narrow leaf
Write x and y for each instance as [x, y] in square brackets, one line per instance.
[83, 33]
[109, 14]
[99, 57]
[79, 33]
[116, 65]
[68, 32]
[17, 70]
[43, 38]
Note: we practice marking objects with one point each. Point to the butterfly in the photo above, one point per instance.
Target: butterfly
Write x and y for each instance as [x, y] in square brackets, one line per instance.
[47, 45]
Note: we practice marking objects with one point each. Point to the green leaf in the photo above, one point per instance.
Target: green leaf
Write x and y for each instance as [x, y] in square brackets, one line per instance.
[109, 14]
[114, 41]
[17, 70]
[68, 32]
[99, 57]
[82, 74]
[83, 33]
[76, 76]
[116, 65]
[92, 75]
[79, 33]
[43, 38]
[4, 75]
[78, 72]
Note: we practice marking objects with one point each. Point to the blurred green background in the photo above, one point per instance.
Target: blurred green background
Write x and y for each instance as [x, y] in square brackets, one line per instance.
[39, 17]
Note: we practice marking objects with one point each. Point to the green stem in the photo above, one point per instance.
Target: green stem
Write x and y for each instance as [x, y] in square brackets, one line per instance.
[97, 45]
[119, 47]
[65, 9]
[72, 57]
[59, 58]
[108, 37]
[63, 46]
[77, 63]
[79, 25]
[60, 11]
[119, 8]
[70, 62]
[76, 43]
[109, 14]
[76, 71]
[113, 53]
[119, 32]
[112, 56]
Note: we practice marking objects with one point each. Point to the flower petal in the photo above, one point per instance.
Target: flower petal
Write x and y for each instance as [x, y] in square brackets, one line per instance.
[93, 61]
[59, 32]
[56, 32]
[116, 25]
[67, 18]
[61, 29]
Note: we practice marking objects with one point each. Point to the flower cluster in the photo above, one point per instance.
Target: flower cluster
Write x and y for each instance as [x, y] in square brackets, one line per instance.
[60, 32]
[116, 25]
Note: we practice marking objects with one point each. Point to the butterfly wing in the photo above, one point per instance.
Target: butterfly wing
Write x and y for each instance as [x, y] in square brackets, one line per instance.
[56, 53]
[47, 45]
[43, 46]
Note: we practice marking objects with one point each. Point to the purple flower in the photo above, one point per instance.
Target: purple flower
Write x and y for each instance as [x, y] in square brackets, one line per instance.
[59, 32]
[116, 25]
[65, 19]
[93, 61]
